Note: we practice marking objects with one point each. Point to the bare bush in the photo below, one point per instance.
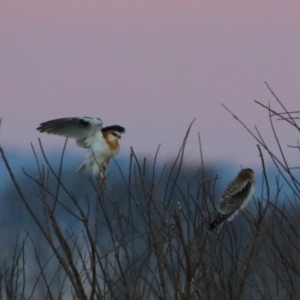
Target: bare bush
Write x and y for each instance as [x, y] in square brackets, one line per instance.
[146, 236]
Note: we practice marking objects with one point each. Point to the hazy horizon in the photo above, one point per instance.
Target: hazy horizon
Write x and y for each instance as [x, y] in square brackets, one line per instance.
[151, 67]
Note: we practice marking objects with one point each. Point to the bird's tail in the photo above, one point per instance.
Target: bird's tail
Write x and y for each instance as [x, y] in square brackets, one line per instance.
[218, 221]
[82, 169]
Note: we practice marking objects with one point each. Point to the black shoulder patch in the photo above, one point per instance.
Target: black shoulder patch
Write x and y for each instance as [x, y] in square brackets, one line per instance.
[83, 122]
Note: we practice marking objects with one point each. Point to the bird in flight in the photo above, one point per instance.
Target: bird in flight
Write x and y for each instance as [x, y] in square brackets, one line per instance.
[102, 142]
[237, 195]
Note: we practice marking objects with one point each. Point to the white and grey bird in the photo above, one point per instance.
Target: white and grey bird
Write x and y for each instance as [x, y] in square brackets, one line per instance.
[102, 142]
[235, 198]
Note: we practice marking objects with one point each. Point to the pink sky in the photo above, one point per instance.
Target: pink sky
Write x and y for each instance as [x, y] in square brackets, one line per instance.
[151, 66]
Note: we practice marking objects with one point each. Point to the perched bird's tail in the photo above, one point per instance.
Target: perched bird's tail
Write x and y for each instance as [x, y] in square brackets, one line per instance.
[86, 166]
[82, 169]
[220, 219]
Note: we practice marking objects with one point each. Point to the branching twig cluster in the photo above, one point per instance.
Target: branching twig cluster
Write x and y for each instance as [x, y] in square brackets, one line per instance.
[147, 236]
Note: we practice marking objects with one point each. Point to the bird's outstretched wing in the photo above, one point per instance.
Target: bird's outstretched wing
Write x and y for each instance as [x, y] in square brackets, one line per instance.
[81, 129]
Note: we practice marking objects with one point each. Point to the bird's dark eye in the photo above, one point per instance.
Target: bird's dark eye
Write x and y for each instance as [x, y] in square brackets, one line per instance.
[115, 134]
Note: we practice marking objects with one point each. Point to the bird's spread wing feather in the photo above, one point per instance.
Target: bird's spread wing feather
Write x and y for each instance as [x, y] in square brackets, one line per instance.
[81, 129]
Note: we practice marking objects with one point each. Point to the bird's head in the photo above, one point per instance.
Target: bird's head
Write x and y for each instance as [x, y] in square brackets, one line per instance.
[246, 174]
[113, 133]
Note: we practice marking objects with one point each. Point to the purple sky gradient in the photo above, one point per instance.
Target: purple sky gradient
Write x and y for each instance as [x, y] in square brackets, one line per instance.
[151, 66]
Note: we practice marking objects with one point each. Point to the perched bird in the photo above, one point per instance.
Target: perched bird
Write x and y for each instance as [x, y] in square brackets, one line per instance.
[102, 142]
[237, 195]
